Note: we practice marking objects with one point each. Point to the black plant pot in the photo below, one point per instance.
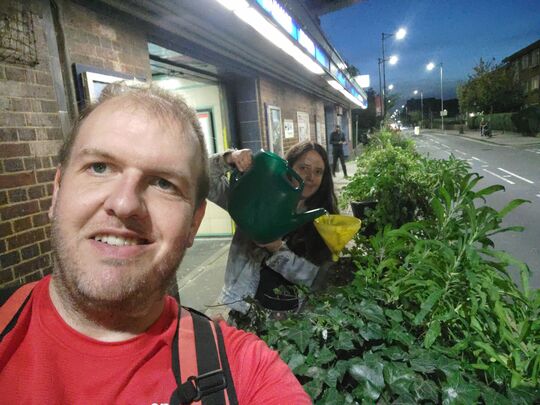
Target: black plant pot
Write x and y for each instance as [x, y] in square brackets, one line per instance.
[359, 211]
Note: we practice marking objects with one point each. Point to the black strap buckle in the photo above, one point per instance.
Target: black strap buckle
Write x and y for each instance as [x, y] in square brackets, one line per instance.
[208, 383]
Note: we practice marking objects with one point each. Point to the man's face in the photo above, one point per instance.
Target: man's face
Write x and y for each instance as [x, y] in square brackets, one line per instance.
[123, 209]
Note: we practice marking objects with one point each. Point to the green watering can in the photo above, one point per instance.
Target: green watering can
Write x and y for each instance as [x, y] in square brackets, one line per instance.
[263, 200]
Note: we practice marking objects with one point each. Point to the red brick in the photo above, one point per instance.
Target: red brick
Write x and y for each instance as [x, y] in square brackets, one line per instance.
[17, 179]
[9, 259]
[44, 176]
[19, 210]
[36, 192]
[29, 267]
[45, 204]
[17, 195]
[25, 238]
[16, 74]
[22, 224]
[3, 198]
[30, 252]
[13, 165]
[5, 229]
[27, 134]
[12, 119]
[8, 134]
[40, 219]
[6, 275]
[45, 246]
[3, 246]
[35, 276]
[14, 150]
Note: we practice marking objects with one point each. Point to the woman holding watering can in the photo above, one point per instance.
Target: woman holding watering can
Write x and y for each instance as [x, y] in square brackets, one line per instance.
[255, 270]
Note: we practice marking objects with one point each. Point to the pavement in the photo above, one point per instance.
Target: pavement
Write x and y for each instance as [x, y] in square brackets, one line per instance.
[201, 274]
[499, 137]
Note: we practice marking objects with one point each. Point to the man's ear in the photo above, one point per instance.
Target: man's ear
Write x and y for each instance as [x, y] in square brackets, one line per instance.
[198, 216]
[56, 187]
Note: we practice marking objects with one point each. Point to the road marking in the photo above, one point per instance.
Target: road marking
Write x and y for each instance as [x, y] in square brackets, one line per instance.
[480, 160]
[500, 177]
[446, 146]
[485, 165]
[458, 151]
[435, 147]
[538, 195]
[515, 175]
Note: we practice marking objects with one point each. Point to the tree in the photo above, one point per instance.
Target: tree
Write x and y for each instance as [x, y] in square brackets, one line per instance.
[490, 89]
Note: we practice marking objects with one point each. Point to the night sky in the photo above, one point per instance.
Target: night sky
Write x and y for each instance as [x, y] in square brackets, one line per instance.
[456, 33]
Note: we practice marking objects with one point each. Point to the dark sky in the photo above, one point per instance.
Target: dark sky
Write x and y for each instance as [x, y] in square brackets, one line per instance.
[456, 33]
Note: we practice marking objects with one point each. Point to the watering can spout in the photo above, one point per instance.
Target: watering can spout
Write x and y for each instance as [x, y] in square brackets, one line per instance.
[303, 218]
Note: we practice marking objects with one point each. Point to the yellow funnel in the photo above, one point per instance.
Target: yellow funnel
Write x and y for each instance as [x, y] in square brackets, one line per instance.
[337, 231]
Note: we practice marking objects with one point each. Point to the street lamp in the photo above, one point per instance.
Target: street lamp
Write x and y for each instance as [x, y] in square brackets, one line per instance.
[390, 87]
[399, 34]
[431, 66]
[421, 106]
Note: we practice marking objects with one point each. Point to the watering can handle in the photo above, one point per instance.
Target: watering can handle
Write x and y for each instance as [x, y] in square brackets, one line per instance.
[297, 177]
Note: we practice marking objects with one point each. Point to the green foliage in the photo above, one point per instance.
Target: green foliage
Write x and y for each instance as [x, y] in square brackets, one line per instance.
[501, 121]
[431, 316]
[490, 89]
[527, 121]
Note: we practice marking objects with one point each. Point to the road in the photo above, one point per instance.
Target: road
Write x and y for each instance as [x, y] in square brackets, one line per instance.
[518, 170]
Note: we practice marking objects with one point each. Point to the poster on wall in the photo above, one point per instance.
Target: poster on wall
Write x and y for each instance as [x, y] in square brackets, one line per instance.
[207, 126]
[303, 126]
[288, 126]
[319, 134]
[274, 130]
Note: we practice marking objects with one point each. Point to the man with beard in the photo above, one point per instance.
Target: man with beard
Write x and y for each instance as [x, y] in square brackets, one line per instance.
[129, 195]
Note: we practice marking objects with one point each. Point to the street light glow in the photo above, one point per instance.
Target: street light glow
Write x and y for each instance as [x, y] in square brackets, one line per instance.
[430, 66]
[400, 34]
[415, 92]
[391, 87]
[393, 59]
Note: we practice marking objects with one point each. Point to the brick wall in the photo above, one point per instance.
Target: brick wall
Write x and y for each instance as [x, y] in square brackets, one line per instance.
[30, 131]
[290, 101]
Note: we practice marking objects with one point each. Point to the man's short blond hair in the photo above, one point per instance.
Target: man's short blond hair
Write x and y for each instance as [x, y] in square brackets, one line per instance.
[156, 101]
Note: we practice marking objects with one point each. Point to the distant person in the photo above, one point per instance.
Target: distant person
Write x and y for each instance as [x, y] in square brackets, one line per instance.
[337, 140]
[129, 195]
[253, 270]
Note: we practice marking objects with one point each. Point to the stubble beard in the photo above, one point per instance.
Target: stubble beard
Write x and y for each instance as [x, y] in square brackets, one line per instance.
[84, 293]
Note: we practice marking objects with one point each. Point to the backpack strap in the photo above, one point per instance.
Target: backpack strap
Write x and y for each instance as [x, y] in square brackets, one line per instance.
[13, 306]
[199, 352]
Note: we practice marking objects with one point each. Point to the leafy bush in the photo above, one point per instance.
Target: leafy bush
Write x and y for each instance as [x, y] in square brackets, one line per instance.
[527, 121]
[431, 315]
[393, 173]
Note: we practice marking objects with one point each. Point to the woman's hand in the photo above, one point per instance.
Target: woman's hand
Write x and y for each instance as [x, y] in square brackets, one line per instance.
[272, 247]
[241, 159]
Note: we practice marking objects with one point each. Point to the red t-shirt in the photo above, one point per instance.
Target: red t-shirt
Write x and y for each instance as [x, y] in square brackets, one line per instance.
[44, 361]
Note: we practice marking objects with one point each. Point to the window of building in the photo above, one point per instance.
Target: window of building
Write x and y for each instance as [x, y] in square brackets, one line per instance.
[535, 57]
[525, 61]
[535, 83]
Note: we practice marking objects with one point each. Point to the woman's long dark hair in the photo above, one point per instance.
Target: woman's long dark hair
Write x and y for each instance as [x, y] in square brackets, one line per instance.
[325, 196]
[306, 241]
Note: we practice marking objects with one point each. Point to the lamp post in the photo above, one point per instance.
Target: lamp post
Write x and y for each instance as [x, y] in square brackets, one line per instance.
[421, 106]
[431, 66]
[399, 34]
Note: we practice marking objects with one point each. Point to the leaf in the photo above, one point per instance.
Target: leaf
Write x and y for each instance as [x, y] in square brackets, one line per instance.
[398, 377]
[425, 362]
[426, 306]
[369, 375]
[325, 356]
[394, 314]
[425, 390]
[295, 361]
[332, 397]
[371, 331]
[489, 190]
[524, 395]
[460, 393]
[432, 334]
[332, 377]
[511, 206]
[313, 388]
[345, 341]
[300, 336]
[372, 312]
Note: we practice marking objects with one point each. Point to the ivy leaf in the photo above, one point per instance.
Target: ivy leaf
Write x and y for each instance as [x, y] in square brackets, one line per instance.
[460, 392]
[313, 388]
[425, 390]
[399, 334]
[399, 378]
[372, 312]
[332, 377]
[425, 362]
[394, 353]
[369, 375]
[345, 341]
[325, 356]
[524, 395]
[300, 336]
[493, 397]
[295, 361]
[332, 397]
[371, 331]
